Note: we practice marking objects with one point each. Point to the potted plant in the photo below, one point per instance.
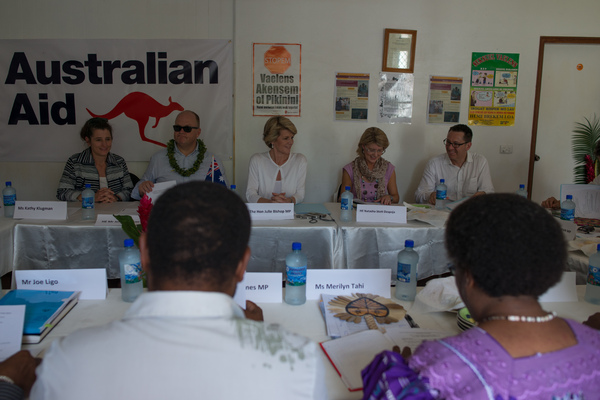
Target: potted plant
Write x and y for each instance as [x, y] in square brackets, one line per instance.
[585, 138]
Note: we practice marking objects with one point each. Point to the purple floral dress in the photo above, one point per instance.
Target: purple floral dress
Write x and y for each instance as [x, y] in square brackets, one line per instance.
[473, 365]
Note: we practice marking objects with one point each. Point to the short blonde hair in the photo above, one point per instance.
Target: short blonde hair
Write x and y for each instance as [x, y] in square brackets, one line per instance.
[273, 127]
[372, 135]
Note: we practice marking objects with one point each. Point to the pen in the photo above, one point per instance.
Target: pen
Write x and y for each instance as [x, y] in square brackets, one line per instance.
[411, 321]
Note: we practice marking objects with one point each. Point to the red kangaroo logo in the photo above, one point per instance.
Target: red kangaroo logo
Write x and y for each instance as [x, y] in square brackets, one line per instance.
[140, 107]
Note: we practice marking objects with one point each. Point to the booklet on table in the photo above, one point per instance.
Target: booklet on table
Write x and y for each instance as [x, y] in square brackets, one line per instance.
[43, 310]
[349, 355]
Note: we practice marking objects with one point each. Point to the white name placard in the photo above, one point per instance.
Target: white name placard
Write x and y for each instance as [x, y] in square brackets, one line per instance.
[56, 210]
[379, 213]
[90, 282]
[262, 211]
[259, 287]
[569, 229]
[563, 291]
[264, 287]
[110, 220]
[347, 281]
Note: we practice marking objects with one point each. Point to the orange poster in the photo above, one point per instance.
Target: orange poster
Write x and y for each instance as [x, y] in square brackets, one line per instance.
[276, 79]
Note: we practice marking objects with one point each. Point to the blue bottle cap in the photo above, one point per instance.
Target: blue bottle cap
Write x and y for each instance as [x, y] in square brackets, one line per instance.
[521, 186]
[233, 187]
[296, 246]
[569, 197]
[442, 180]
[409, 243]
[128, 242]
[88, 185]
[598, 248]
[348, 188]
[9, 183]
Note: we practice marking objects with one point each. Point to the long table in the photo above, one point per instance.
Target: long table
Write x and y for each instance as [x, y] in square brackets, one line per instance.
[305, 320]
[6, 244]
[74, 243]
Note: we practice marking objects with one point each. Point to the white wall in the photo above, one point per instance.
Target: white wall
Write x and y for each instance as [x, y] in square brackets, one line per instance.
[336, 36]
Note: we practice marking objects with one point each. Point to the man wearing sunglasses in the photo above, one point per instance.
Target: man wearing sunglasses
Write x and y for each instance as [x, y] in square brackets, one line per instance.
[185, 159]
[466, 174]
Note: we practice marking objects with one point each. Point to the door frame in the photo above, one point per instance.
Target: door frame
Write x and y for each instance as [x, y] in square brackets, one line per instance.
[544, 40]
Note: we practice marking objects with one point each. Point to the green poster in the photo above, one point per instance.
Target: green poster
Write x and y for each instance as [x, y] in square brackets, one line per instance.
[493, 89]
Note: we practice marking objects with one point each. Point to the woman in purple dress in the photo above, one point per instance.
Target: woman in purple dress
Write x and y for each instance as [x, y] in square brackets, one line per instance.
[371, 178]
[507, 251]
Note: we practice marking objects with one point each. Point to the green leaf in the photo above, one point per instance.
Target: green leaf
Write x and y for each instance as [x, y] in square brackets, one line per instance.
[130, 228]
[584, 139]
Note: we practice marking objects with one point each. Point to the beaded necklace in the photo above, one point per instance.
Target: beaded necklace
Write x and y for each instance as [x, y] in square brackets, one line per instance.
[520, 318]
[364, 188]
[176, 167]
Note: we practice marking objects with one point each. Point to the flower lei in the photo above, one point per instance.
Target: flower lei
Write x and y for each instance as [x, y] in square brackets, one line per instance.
[176, 167]
[129, 226]
[590, 172]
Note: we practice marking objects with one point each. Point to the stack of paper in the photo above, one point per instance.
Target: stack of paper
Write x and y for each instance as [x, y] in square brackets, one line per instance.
[351, 354]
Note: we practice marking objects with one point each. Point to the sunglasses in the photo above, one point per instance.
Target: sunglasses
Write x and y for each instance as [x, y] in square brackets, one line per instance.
[186, 129]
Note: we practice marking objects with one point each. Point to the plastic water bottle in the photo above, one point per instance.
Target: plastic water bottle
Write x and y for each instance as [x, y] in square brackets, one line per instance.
[406, 277]
[87, 202]
[592, 285]
[567, 209]
[346, 207]
[522, 192]
[9, 194]
[440, 195]
[131, 270]
[295, 269]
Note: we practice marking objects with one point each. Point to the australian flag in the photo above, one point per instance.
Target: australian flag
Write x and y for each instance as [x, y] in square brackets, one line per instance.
[218, 177]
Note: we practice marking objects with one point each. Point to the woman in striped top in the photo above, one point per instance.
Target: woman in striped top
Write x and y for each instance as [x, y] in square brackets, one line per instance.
[107, 173]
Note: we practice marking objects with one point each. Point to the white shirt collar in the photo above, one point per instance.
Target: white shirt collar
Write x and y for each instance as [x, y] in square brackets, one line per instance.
[192, 304]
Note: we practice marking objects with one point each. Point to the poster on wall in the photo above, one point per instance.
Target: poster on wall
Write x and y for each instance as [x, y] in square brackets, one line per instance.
[51, 87]
[493, 96]
[351, 96]
[395, 98]
[276, 79]
[443, 104]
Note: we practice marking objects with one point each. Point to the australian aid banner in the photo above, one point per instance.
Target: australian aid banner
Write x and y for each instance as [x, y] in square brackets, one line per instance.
[51, 87]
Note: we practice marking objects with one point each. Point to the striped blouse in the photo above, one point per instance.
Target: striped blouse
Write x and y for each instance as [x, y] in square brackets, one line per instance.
[80, 169]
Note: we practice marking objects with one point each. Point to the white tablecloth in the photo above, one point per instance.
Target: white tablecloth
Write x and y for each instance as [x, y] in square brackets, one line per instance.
[6, 244]
[271, 241]
[31, 244]
[376, 245]
[75, 243]
[579, 263]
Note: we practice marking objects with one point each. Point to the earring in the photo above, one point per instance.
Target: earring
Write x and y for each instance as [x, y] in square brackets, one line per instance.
[271, 145]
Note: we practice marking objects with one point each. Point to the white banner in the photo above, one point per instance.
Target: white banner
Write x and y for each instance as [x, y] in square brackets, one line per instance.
[51, 87]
